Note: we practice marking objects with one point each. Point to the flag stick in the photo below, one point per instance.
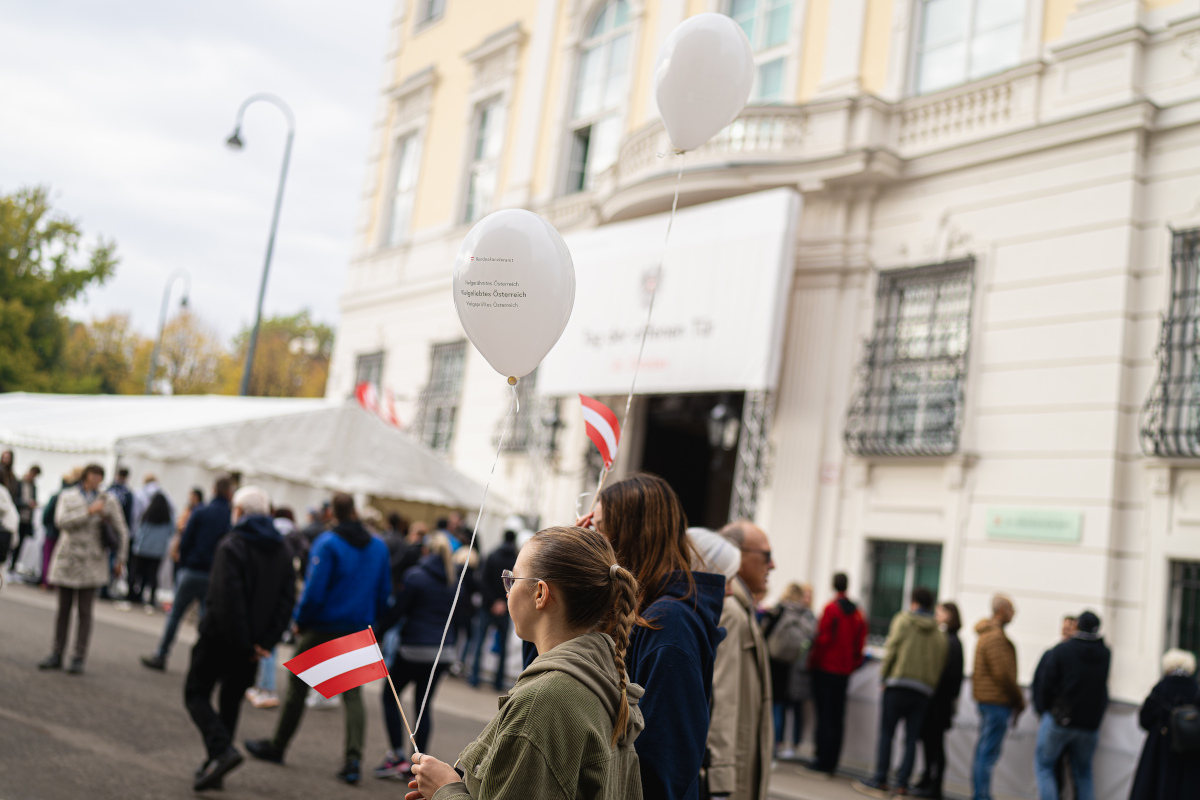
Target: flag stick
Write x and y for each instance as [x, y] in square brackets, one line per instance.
[396, 695]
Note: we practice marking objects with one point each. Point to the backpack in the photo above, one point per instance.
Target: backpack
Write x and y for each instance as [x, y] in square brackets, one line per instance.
[1184, 729]
[787, 640]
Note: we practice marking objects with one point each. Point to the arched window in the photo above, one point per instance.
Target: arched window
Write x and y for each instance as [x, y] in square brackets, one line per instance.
[601, 81]
[767, 23]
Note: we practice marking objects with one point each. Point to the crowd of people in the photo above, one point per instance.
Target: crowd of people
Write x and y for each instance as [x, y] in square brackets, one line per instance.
[651, 668]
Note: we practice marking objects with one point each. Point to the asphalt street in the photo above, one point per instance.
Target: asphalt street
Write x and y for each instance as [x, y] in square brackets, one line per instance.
[120, 730]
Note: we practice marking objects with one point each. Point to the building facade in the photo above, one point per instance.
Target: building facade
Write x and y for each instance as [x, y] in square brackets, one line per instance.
[978, 218]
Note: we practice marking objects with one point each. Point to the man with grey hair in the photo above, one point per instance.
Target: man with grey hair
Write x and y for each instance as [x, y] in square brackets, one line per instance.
[741, 732]
[250, 596]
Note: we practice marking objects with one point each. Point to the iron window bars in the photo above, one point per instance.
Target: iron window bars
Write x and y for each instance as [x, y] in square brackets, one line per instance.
[439, 398]
[368, 368]
[915, 366]
[1171, 414]
[896, 569]
[1184, 609]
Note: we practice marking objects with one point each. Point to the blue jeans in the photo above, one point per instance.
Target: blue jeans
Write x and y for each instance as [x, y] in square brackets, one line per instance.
[780, 710]
[501, 623]
[1052, 741]
[266, 673]
[192, 587]
[993, 722]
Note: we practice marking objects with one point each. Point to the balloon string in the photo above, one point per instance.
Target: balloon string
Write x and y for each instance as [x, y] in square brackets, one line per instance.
[653, 293]
[513, 410]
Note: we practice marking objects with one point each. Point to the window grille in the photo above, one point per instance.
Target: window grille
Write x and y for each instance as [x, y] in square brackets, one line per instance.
[896, 569]
[368, 368]
[914, 368]
[440, 397]
[520, 436]
[767, 24]
[601, 82]
[1171, 415]
[1184, 613]
[962, 40]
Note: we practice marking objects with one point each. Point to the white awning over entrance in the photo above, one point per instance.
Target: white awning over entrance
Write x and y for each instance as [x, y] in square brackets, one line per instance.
[719, 315]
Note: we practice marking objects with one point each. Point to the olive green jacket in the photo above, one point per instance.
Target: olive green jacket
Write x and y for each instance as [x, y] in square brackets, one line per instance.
[551, 739]
[915, 653]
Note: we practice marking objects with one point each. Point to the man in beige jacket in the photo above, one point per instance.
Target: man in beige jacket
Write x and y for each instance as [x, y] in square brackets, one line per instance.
[741, 731]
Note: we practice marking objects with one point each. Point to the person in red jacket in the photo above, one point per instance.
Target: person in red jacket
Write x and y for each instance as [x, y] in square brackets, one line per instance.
[836, 653]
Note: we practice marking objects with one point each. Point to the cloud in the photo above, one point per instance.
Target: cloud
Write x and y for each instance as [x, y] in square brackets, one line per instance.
[123, 109]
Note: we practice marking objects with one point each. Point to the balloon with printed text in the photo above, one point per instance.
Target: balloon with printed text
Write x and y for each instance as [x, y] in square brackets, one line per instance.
[514, 289]
[702, 78]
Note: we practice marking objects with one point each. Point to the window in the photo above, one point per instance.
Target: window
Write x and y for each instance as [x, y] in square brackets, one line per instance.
[914, 368]
[406, 165]
[601, 79]
[896, 569]
[767, 24]
[368, 368]
[430, 10]
[961, 40]
[1184, 613]
[520, 436]
[1171, 415]
[439, 398]
[486, 146]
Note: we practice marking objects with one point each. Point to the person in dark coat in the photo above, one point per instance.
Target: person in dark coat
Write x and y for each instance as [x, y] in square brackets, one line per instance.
[423, 602]
[250, 597]
[1071, 697]
[1162, 774]
[197, 549]
[493, 611]
[939, 718]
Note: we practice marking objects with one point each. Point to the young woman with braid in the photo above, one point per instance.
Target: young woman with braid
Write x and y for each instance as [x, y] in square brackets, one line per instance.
[567, 728]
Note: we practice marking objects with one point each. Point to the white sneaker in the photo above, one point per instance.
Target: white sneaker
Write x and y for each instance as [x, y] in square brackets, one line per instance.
[787, 754]
[149, 609]
[122, 605]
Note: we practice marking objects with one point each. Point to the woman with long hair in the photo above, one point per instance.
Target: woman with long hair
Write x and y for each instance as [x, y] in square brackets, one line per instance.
[675, 636]
[150, 543]
[939, 717]
[567, 728]
[421, 605]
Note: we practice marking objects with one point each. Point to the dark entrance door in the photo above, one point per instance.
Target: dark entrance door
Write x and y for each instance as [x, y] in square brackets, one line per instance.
[691, 442]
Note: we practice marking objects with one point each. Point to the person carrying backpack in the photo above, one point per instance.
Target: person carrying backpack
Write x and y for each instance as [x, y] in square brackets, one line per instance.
[1169, 767]
[790, 628]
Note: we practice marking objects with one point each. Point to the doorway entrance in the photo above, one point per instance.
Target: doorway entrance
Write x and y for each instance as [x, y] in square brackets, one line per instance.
[691, 442]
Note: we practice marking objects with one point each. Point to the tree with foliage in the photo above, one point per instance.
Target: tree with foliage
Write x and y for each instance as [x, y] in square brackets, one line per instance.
[192, 359]
[291, 360]
[106, 356]
[39, 273]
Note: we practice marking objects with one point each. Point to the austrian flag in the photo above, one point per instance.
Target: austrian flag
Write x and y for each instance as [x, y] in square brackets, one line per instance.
[601, 426]
[340, 665]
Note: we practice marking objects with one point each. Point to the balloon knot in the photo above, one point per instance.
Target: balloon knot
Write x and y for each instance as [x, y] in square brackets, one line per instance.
[512, 381]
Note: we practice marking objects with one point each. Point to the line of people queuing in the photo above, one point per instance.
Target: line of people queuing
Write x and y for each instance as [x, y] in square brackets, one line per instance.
[635, 630]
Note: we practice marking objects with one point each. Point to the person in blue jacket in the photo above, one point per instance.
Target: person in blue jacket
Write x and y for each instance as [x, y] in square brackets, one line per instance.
[423, 601]
[348, 587]
[674, 643]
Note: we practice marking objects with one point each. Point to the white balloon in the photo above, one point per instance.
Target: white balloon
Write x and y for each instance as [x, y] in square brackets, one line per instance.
[703, 78]
[514, 288]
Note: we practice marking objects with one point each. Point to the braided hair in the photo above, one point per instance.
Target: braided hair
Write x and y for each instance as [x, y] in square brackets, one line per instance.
[597, 593]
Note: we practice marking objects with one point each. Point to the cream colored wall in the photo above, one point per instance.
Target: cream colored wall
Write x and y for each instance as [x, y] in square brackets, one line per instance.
[877, 37]
[544, 172]
[812, 51]
[1054, 18]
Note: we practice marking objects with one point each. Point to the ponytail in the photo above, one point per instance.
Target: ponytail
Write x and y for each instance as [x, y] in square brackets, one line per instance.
[624, 615]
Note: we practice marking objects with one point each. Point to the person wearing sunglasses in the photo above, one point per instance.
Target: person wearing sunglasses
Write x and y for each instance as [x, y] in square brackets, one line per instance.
[567, 728]
[674, 643]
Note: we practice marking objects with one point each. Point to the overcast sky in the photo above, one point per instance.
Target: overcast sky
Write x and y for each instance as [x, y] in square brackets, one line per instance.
[122, 107]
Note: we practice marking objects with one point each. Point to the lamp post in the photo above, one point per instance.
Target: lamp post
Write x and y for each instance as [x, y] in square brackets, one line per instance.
[162, 321]
[235, 143]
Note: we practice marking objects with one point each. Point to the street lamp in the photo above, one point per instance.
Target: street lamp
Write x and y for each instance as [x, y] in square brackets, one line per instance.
[162, 321]
[235, 143]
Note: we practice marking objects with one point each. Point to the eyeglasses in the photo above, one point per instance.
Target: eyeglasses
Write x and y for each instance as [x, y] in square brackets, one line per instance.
[766, 554]
[509, 579]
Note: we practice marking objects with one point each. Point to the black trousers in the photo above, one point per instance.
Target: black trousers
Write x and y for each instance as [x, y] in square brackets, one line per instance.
[933, 742]
[899, 704]
[143, 575]
[829, 696]
[403, 673]
[212, 663]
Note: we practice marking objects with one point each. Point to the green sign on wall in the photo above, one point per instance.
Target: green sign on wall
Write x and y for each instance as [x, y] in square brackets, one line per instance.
[1034, 524]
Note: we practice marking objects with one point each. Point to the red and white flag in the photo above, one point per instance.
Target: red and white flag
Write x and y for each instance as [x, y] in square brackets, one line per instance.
[368, 396]
[602, 428]
[340, 665]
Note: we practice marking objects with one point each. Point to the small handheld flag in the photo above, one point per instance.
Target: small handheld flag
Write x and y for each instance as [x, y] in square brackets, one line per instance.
[340, 665]
[602, 428]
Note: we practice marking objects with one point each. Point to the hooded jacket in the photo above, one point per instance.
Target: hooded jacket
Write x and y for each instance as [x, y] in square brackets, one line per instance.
[423, 600]
[349, 581]
[1072, 682]
[552, 737]
[995, 675]
[251, 589]
[205, 527]
[841, 636]
[915, 653]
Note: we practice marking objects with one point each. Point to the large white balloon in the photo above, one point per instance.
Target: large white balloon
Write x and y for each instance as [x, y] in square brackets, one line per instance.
[703, 78]
[514, 288]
